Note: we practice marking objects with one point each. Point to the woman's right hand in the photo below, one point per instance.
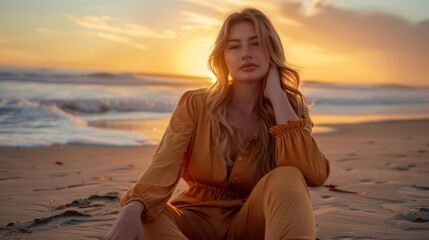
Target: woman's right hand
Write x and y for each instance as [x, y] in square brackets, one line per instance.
[128, 225]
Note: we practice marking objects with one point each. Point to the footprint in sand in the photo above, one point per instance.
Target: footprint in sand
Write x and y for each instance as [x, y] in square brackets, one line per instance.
[92, 201]
[80, 211]
[400, 155]
[81, 185]
[349, 159]
[421, 187]
[61, 188]
[419, 214]
[130, 166]
[41, 189]
[27, 226]
[352, 153]
[400, 167]
[366, 180]
[9, 178]
[58, 175]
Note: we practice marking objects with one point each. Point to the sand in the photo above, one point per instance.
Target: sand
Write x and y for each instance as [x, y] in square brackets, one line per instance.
[378, 188]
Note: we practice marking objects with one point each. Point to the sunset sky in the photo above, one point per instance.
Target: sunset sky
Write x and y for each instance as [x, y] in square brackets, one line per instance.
[348, 41]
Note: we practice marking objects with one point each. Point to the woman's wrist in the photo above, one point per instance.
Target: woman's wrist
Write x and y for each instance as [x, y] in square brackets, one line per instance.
[136, 204]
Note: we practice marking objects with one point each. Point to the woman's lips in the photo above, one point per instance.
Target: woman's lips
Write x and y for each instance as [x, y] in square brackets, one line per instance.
[249, 68]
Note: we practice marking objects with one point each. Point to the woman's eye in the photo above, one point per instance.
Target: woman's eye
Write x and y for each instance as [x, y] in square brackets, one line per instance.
[238, 46]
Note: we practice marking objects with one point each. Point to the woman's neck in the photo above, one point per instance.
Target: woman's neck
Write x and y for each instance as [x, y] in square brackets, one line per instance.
[245, 97]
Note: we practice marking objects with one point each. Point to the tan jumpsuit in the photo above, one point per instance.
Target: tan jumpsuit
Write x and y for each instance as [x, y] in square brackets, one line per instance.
[277, 206]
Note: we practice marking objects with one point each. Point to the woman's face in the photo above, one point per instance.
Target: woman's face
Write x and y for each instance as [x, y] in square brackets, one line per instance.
[243, 54]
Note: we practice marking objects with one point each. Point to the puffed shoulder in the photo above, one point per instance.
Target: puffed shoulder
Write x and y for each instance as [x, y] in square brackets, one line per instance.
[290, 125]
[195, 97]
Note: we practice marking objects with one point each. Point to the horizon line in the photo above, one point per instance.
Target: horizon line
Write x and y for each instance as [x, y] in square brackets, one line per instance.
[313, 81]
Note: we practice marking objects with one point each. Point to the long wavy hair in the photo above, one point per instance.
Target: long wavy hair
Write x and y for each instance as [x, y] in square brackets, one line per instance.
[220, 94]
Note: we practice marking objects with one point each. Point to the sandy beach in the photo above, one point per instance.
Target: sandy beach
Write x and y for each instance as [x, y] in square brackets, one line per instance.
[378, 187]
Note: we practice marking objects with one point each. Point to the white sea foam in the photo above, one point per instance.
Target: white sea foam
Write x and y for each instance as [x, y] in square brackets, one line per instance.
[27, 123]
[46, 107]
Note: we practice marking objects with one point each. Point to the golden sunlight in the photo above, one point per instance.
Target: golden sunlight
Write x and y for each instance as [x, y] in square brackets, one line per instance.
[212, 77]
[192, 55]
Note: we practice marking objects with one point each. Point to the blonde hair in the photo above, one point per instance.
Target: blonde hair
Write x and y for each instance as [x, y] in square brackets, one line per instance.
[220, 92]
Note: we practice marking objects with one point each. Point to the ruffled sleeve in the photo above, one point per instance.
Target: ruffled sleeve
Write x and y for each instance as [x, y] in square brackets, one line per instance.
[155, 186]
[296, 147]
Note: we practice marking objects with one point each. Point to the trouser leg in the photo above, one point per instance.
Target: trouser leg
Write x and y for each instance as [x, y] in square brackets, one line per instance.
[174, 224]
[279, 207]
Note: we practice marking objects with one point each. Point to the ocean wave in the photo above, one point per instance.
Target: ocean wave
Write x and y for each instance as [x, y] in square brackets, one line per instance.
[367, 102]
[97, 106]
[104, 78]
[28, 123]
[88, 107]
[111, 105]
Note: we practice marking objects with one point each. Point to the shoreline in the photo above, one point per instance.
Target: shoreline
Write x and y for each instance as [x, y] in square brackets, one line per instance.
[158, 125]
[154, 128]
[73, 190]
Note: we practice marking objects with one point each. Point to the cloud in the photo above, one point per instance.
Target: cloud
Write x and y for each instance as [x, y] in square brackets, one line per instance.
[218, 5]
[118, 26]
[309, 8]
[199, 21]
[288, 21]
[384, 46]
[120, 31]
[399, 44]
[215, 10]
[119, 39]
[46, 30]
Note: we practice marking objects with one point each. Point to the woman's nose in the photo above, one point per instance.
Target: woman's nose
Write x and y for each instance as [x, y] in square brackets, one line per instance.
[246, 52]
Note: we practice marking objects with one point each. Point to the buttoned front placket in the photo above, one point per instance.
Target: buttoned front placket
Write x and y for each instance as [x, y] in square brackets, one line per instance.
[240, 163]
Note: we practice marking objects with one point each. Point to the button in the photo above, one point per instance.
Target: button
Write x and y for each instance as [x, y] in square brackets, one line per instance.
[240, 158]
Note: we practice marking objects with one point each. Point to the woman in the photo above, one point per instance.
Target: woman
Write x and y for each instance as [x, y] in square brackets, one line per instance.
[244, 147]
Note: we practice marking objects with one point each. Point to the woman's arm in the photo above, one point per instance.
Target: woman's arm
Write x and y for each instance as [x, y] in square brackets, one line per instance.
[295, 145]
[278, 98]
[155, 186]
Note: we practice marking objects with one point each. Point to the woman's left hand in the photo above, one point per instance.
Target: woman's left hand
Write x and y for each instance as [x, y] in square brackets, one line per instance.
[272, 85]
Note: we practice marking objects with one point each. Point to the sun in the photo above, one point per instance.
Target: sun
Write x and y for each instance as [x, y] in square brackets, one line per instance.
[212, 77]
[190, 57]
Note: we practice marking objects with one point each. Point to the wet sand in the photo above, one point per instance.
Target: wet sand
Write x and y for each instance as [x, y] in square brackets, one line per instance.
[378, 188]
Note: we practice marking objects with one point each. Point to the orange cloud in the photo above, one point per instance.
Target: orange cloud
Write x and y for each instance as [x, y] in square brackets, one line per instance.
[46, 30]
[393, 44]
[116, 25]
[199, 21]
[335, 44]
[119, 39]
[120, 31]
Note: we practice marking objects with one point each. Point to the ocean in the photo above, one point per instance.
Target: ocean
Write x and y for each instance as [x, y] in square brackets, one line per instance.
[45, 107]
